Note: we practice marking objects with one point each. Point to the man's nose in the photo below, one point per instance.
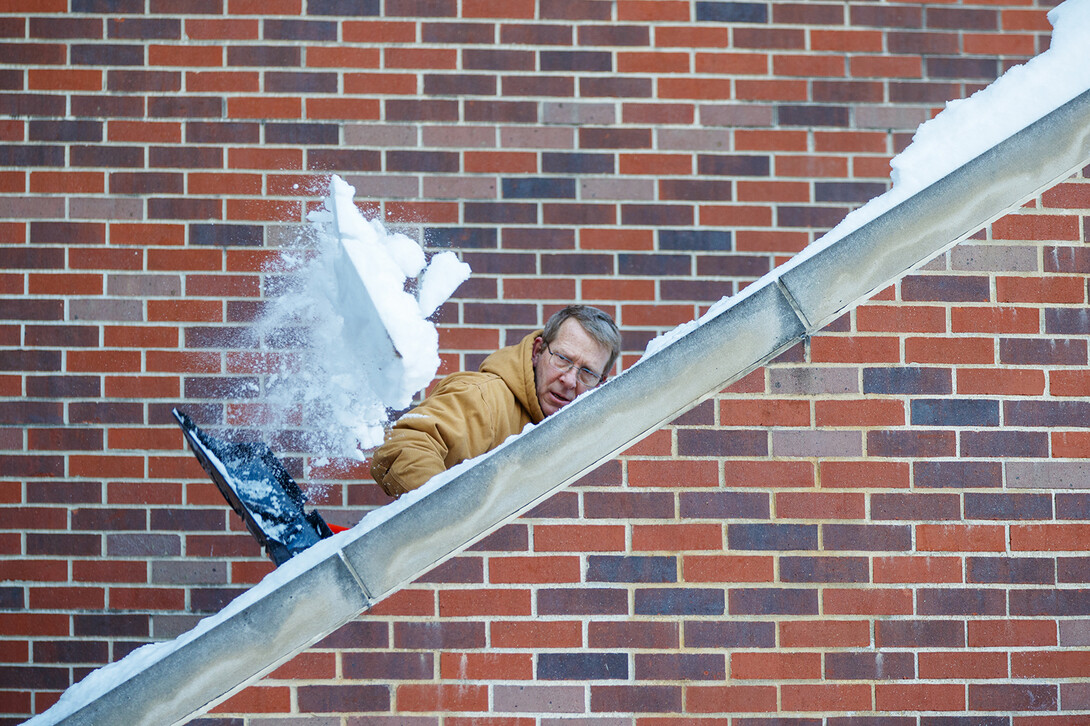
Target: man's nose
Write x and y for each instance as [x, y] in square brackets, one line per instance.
[570, 377]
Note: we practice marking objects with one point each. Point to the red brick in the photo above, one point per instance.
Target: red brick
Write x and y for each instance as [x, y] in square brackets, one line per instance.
[826, 697]
[223, 81]
[1052, 289]
[68, 598]
[407, 602]
[500, 162]
[672, 473]
[716, 89]
[257, 699]
[659, 443]
[369, 31]
[67, 182]
[771, 90]
[901, 319]
[541, 569]
[960, 538]
[820, 505]
[122, 233]
[728, 568]
[773, 191]
[652, 62]
[761, 473]
[736, 215]
[34, 624]
[620, 240]
[917, 697]
[870, 474]
[442, 697]
[688, 36]
[718, 699]
[870, 601]
[147, 598]
[678, 164]
[307, 665]
[1049, 537]
[676, 537]
[954, 665]
[854, 349]
[579, 537]
[957, 351]
[1069, 382]
[1050, 664]
[652, 10]
[484, 602]
[1044, 227]
[775, 666]
[486, 666]
[764, 412]
[223, 29]
[103, 361]
[913, 569]
[1070, 444]
[1010, 633]
[536, 634]
[67, 79]
[1005, 381]
[866, 412]
[824, 633]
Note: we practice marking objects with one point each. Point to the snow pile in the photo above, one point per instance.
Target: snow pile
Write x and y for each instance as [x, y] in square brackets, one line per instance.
[963, 130]
[353, 341]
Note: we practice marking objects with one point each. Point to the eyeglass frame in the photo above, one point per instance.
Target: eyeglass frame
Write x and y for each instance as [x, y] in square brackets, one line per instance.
[570, 364]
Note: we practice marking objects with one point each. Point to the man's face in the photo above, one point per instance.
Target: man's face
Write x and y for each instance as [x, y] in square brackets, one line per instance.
[555, 388]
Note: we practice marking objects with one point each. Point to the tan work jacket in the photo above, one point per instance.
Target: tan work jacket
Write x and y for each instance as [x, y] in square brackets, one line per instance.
[466, 415]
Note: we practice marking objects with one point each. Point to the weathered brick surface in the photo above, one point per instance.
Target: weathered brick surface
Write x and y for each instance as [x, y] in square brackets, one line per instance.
[886, 525]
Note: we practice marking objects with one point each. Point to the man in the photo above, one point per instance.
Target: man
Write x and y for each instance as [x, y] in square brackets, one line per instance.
[466, 415]
[470, 413]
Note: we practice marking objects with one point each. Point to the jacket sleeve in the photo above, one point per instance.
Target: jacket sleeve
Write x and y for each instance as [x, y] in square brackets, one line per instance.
[454, 423]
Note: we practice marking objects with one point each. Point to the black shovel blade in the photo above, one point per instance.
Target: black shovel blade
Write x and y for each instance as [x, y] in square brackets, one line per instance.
[260, 490]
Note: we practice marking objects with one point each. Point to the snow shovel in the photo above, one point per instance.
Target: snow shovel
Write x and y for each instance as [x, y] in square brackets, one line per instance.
[260, 490]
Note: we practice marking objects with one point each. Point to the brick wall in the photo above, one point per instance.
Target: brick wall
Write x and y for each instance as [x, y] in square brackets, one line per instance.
[889, 520]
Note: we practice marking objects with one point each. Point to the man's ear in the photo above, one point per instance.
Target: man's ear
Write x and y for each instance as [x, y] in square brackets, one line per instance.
[539, 345]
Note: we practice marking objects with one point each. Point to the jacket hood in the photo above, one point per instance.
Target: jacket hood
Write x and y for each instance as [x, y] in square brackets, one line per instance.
[514, 365]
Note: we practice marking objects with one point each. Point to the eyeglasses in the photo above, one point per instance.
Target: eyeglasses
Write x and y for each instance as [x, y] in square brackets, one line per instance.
[562, 363]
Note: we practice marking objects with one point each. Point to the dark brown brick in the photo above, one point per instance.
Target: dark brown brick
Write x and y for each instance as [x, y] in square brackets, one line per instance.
[920, 43]
[501, 112]
[772, 601]
[458, 33]
[1011, 570]
[582, 601]
[394, 666]
[942, 633]
[824, 569]
[498, 59]
[456, 569]
[919, 507]
[723, 634]
[869, 666]
[793, 115]
[722, 442]
[575, 9]
[60, 439]
[886, 16]
[59, 26]
[1004, 444]
[439, 635]
[283, 29]
[879, 537]
[185, 107]
[537, 86]
[633, 699]
[680, 667]
[628, 505]
[536, 34]
[1007, 697]
[961, 601]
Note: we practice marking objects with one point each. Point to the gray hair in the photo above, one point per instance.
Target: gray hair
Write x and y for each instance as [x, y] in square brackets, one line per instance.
[598, 324]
